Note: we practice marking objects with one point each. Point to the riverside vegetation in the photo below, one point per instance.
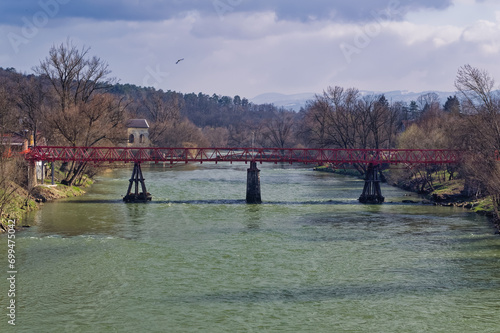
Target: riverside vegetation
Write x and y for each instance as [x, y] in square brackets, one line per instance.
[443, 189]
[16, 200]
[71, 99]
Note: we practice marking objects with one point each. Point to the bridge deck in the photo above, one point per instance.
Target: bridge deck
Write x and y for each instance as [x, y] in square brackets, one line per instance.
[200, 155]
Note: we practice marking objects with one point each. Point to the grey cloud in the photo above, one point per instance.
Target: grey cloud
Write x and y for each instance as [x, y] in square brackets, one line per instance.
[345, 11]
[12, 12]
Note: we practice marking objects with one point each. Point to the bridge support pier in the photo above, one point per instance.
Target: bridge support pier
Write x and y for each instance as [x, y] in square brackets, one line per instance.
[32, 181]
[371, 191]
[137, 178]
[253, 184]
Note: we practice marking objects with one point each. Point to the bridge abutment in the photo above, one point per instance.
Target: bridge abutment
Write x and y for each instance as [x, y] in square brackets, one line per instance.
[253, 184]
[135, 180]
[372, 194]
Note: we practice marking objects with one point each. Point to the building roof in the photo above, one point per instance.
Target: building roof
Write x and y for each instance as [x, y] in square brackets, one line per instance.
[13, 139]
[137, 123]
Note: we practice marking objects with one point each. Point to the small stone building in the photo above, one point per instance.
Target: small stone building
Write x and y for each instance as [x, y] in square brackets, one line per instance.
[138, 133]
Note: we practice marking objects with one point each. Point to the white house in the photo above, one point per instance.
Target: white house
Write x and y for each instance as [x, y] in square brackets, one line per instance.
[138, 133]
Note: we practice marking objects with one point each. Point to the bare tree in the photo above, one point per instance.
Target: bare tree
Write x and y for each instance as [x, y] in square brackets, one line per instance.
[31, 102]
[343, 121]
[279, 129]
[12, 166]
[245, 134]
[315, 122]
[428, 101]
[481, 105]
[9, 119]
[216, 137]
[182, 134]
[429, 132]
[342, 118]
[73, 75]
[164, 112]
[476, 87]
[81, 115]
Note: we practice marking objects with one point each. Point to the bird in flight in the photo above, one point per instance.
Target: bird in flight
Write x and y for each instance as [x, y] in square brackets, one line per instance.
[178, 61]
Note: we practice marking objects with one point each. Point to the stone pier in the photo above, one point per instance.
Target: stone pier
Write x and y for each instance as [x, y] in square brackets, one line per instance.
[253, 184]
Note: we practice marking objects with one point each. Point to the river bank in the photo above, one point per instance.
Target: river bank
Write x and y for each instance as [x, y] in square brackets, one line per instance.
[447, 193]
[24, 201]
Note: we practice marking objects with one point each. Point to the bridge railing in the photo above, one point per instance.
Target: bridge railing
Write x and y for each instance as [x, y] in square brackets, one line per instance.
[287, 155]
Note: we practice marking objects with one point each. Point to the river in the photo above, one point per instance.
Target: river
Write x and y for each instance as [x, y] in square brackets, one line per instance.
[198, 259]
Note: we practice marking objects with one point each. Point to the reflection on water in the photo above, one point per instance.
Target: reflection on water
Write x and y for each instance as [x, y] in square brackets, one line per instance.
[310, 259]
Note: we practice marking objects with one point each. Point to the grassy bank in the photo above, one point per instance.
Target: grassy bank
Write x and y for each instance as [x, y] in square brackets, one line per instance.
[24, 201]
[19, 203]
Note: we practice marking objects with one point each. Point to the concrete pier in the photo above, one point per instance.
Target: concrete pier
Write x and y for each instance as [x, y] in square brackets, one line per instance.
[32, 181]
[253, 184]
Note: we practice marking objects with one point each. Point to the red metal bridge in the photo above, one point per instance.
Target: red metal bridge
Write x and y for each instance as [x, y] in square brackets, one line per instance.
[275, 155]
[373, 158]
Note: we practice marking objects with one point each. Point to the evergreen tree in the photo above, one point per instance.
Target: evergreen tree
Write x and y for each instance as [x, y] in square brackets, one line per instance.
[452, 105]
[413, 110]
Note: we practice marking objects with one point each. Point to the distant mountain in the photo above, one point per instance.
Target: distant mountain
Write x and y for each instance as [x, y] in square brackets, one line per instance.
[291, 102]
[297, 101]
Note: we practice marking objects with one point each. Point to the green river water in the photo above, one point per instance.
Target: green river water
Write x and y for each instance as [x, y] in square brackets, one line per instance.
[198, 259]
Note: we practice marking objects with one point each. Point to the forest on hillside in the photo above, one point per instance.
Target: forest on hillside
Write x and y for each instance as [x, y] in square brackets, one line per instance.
[71, 99]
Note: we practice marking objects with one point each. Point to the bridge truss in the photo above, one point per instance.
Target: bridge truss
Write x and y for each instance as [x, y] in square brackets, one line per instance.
[260, 155]
[372, 158]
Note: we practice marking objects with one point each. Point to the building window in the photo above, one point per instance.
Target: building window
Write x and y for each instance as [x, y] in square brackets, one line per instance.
[141, 138]
[131, 138]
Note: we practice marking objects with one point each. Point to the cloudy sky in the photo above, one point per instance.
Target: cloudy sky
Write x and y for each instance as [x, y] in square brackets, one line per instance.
[250, 47]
